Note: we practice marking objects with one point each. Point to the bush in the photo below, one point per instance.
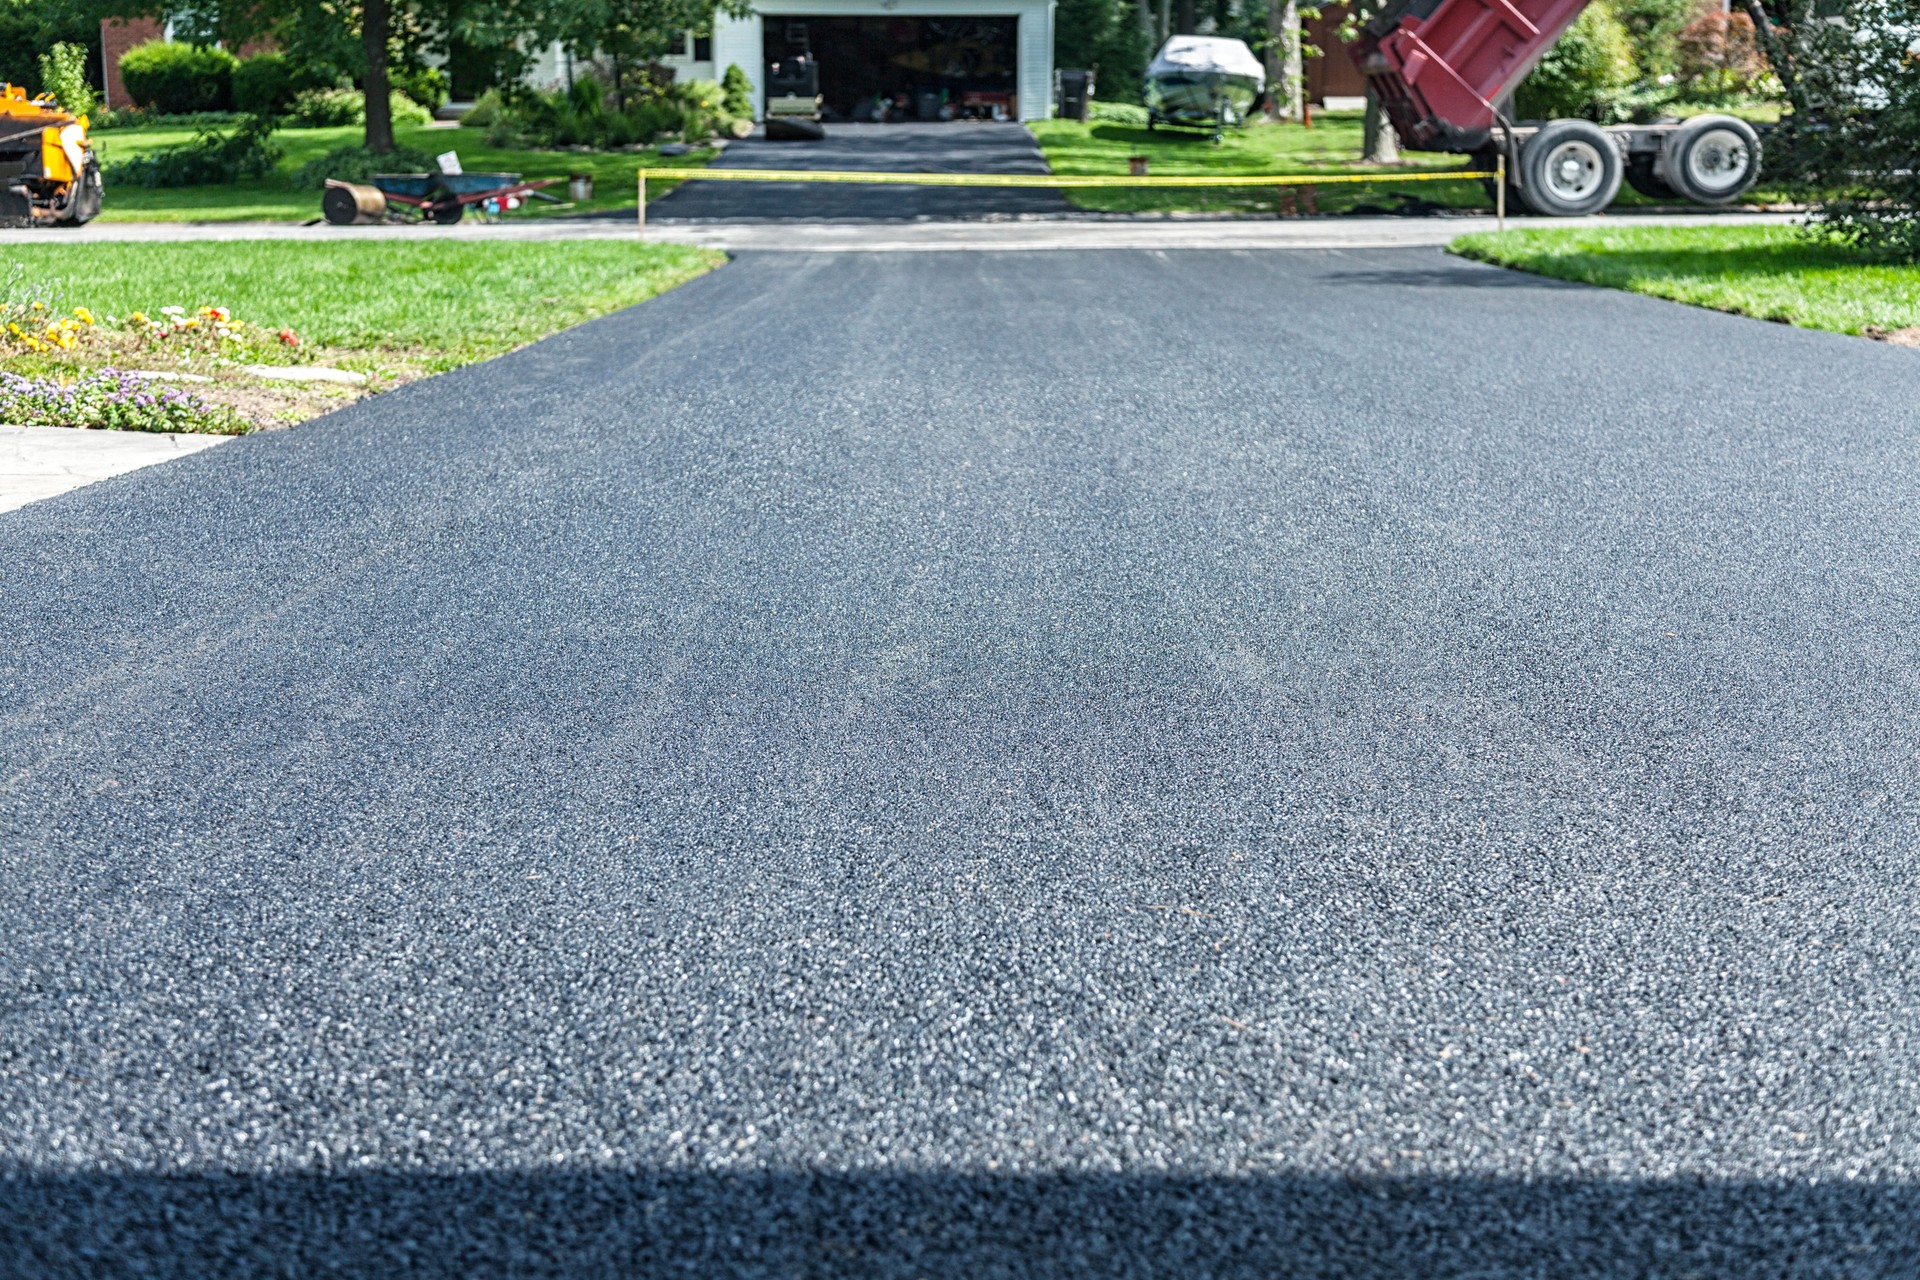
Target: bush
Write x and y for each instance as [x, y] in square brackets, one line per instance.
[327, 108]
[1849, 142]
[263, 85]
[63, 73]
[425, 85]
[333, 108]
[485, 110]
[582, 117]
[1588, 73]
[1717, 55]
[1653, 26]
[247, 152]
[179, 78]
[354, 163]
[737, 93]
[133, 118]
[703, 108]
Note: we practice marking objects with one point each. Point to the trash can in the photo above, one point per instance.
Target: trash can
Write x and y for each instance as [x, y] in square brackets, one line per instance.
[1076, 94]
[926, 104]
[580, 187]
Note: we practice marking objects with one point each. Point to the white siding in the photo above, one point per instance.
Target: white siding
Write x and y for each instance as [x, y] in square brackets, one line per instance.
[738, 40]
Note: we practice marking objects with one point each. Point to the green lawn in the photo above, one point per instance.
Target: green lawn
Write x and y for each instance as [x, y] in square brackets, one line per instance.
[276, 198]
[1772, 273]
[391, 309]
[1329, 147]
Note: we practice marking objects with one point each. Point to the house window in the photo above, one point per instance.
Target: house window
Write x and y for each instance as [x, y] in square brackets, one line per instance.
[703, 48]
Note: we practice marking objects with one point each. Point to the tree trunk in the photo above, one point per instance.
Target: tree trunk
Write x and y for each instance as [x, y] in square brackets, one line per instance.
[1293, 77]
[1379, 144]
[1276, 62]
[1183, 21]
[1780, 58]
[376, 24]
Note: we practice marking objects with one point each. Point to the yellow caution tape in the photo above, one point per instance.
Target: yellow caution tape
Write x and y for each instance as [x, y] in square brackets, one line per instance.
[1058, 180]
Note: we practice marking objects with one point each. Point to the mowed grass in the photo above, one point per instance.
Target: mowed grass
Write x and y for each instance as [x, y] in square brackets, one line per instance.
[275, 198]
[1770, 272]
[1331, 146]
[430, 304]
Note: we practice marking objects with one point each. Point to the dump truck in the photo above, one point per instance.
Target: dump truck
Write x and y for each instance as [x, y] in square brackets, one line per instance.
[48, 170]
[1444, 72]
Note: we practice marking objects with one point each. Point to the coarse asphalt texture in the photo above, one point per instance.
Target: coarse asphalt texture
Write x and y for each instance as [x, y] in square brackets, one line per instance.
[965, 765]
[953, 147]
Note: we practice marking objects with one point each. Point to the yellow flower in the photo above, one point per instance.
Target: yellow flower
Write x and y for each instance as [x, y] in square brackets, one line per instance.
[39, 306]
[84, 314]
[15, 330]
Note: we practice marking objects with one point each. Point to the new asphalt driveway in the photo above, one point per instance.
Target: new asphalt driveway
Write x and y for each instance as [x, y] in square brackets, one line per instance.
[955, 147]
[1127, 764]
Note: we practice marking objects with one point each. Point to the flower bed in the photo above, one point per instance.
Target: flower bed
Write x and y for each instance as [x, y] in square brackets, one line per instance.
[212, 331]
[113, 399]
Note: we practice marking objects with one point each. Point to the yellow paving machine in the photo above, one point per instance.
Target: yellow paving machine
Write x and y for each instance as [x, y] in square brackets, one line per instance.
[49, 173]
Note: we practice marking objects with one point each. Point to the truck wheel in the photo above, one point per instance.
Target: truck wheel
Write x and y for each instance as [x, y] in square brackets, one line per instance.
[1570, 168]
[1712, 159]
[1642, 178]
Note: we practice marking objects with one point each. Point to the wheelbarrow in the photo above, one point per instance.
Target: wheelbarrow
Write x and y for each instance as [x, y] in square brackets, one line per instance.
[435, 197]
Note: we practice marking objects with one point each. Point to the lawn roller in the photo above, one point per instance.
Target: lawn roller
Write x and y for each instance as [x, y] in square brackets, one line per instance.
[426, 197]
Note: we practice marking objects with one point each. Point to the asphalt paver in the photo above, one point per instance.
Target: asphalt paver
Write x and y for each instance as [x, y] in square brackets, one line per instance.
[1125, 764]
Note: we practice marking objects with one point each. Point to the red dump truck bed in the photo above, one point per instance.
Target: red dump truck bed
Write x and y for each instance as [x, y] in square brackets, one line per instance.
[1440, 66]
[1443, 68]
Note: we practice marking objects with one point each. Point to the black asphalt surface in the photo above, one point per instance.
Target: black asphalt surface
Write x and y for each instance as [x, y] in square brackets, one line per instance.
[1112, 764]
[952, 147]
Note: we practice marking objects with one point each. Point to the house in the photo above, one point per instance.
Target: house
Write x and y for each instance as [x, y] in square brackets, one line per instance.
[892, 59]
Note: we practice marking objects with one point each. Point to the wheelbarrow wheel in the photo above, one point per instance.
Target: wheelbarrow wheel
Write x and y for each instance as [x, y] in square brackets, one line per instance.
[448, 214]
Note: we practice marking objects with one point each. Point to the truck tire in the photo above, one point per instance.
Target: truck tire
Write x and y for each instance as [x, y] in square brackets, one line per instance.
[1711, 160]
[1569, 169]
[1642, 177]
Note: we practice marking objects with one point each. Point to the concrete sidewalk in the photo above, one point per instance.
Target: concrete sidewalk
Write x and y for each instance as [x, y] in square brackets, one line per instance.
[39, 462]
[832, 236]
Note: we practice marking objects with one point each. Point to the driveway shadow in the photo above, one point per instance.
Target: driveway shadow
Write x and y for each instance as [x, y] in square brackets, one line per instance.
[1460, 273]
[715, 1224]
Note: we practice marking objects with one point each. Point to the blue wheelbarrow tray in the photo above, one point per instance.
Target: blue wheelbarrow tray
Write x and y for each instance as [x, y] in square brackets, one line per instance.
[417, 185]
[422, 185]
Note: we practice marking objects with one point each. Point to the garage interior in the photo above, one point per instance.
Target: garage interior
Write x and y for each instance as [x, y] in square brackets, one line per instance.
[876, 70]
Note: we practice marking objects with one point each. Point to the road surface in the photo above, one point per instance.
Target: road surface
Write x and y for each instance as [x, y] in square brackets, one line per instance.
[952, 147]
[1125, 764]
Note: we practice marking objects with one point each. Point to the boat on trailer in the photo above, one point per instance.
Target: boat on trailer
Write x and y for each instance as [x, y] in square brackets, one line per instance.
[1203, 82]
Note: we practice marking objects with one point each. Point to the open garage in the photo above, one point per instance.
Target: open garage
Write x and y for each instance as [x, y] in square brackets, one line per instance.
[874, 70]
[894, 60]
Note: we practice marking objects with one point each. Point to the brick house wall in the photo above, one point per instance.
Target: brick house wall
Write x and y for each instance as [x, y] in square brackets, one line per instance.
[117, 35]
